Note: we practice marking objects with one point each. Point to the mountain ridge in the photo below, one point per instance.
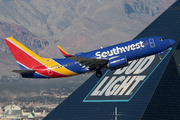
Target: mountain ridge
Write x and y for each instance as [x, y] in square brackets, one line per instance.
[77, 26]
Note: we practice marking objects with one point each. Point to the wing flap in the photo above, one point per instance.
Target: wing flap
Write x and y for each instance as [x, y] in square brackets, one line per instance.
[90, 62]
[81, 59]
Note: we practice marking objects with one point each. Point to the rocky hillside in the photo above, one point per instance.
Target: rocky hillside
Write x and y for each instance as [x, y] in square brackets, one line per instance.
[76, 25]
[22, 35]
[51, 19]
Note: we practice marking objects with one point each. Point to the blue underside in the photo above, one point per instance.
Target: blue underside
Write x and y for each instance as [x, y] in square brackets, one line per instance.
[22, 67]
[33, 75]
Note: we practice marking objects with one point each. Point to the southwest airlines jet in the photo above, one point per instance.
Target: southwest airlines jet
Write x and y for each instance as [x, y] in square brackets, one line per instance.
[112, 57]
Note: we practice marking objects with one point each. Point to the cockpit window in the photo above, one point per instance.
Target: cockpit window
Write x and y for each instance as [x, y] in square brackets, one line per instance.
[161, 39]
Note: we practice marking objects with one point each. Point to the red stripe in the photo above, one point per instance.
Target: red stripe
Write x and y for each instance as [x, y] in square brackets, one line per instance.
[48, 72]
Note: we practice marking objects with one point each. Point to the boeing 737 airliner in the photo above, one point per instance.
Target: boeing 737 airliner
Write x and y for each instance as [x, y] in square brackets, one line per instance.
[113, 57]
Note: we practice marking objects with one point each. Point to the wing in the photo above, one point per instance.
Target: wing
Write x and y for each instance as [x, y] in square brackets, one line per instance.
[90, 62]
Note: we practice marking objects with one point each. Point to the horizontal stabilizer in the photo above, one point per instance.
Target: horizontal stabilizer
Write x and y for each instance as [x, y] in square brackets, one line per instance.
[64, 52]
[24, 71]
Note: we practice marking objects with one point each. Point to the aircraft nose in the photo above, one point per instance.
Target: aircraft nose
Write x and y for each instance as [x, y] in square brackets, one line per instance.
[171, 42]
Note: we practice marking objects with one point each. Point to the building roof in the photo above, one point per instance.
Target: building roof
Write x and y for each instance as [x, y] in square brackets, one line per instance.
[13, 112]
[12, 107]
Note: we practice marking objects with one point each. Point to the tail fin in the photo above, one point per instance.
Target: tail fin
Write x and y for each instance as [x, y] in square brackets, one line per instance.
[24, 56]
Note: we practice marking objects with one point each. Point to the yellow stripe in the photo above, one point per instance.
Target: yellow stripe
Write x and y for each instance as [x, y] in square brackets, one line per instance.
[25, 48]
[46, 61]
[57, 67]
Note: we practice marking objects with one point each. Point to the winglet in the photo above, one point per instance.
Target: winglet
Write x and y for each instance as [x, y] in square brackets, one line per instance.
[64, 52]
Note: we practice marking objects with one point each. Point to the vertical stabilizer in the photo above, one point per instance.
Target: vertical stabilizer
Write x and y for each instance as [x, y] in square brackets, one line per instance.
[24, 56]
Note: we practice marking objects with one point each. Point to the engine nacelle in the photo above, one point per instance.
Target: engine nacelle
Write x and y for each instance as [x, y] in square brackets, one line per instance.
[118, 62]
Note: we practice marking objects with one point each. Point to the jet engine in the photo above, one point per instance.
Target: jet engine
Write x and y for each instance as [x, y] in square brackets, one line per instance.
[117, 62]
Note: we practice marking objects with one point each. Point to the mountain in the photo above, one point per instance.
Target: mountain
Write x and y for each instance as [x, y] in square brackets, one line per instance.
[76, 25]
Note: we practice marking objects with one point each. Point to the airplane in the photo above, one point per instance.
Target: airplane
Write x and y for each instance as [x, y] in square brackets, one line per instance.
[112, 57]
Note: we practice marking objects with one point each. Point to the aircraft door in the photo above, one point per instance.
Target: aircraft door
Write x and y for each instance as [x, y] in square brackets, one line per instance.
[151, 42]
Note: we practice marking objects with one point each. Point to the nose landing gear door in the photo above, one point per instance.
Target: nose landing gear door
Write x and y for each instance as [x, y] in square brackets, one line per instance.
[151, 42]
